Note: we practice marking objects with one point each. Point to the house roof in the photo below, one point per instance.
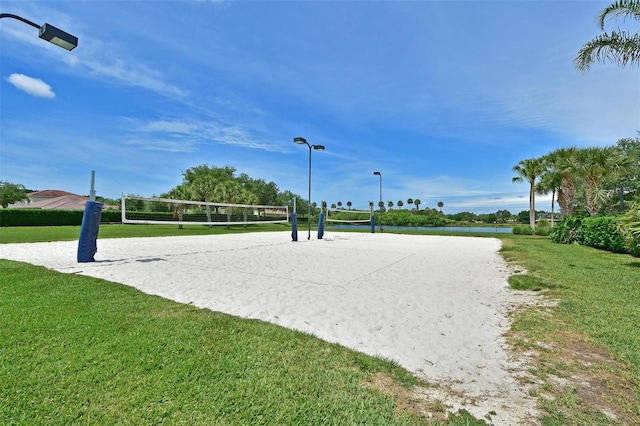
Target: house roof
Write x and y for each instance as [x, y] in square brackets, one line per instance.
[52, 199]
[66, 202]
[49, 193]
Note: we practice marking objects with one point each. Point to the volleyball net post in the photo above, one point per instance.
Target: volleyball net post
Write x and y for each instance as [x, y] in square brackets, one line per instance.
[294, 226]
[320, 225]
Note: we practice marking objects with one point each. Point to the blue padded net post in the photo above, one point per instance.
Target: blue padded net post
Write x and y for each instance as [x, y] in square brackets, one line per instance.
[373, 224]
[87, 243]
[320, 226]
[294, 226]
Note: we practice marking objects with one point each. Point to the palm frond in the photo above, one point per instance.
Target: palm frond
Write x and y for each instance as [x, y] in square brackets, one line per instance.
[626, 8]
[618, 47]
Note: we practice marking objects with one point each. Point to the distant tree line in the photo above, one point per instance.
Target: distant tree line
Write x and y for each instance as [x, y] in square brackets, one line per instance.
[222, 185]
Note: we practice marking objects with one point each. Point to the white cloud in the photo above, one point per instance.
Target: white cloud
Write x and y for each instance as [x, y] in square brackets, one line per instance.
[199, 132]
[33, 86]
[131, 73]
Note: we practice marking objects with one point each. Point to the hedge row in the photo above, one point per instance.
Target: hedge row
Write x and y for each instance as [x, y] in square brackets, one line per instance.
[40, 217]
[406, 218]
[599, 232]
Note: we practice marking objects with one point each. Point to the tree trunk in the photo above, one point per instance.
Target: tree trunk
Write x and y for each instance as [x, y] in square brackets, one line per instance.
[553, 196]
[532, 207]
[566, 195]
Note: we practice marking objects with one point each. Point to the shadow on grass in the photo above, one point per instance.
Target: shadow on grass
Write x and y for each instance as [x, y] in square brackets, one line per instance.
[529, 282]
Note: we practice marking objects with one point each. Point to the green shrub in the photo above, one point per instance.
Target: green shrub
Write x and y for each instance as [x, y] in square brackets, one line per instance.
[542, 230]
[567, 231]
[45, 217]
[629, 228]
[406, 218]
[111, 216]
[602, 233]
[543, 223]
[522, 230]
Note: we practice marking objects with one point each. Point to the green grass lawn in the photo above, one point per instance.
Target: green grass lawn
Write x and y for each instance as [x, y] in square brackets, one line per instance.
[588, 346]
[32, 234]
[75, 349]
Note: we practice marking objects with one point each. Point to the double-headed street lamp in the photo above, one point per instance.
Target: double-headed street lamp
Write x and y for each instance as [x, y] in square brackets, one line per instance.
[380, 203]
[49, 32]
[303, 141]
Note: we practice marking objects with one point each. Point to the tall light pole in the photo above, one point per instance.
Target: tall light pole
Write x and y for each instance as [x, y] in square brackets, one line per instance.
[303, 141]
[380, 203]
[49, 32]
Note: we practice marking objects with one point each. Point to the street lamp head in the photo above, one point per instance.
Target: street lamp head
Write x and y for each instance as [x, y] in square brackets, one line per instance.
[48, 32]
[377, 173]
[318, 147]
[58, 37]
[300, 140]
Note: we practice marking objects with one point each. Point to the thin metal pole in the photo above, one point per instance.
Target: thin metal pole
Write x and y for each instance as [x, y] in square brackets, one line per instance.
[309, 203]
[380, 203]
[92, 191]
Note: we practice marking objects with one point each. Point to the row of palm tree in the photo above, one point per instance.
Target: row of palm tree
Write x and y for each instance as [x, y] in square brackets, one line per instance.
[561, 170]
[390, 204]
[593, 173]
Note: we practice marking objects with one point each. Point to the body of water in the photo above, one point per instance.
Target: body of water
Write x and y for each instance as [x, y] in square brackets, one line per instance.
[487, 229]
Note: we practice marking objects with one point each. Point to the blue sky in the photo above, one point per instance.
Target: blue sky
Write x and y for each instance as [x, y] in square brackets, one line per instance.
[443, 98]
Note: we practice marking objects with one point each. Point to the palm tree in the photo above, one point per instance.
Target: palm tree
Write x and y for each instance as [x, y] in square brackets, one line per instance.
[339, 204]
[529, 170]
[349, 205]
[440, 206]
[410, 201]
[417, 203]
[390, 204]
[229, 192]
[400, 203]
[180, 192]
[247, 197]
[594, 165]
[562, 161]
[550, 181]
[203, 188]
[630, 181]
[619, 46]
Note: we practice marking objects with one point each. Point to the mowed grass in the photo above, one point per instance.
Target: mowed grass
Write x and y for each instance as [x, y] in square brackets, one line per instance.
[586, 348]
[32, 234]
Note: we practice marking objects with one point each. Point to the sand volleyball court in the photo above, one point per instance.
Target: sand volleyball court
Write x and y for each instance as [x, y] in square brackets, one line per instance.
[437, 305]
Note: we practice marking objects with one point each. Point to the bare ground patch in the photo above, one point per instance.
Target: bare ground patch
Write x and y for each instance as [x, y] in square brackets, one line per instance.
[578, 381]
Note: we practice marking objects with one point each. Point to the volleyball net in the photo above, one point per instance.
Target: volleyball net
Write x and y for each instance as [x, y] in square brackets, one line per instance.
[142, 210]
[340, 216]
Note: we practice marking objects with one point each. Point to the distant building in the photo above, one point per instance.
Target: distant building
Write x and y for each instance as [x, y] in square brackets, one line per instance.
[52, 199]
